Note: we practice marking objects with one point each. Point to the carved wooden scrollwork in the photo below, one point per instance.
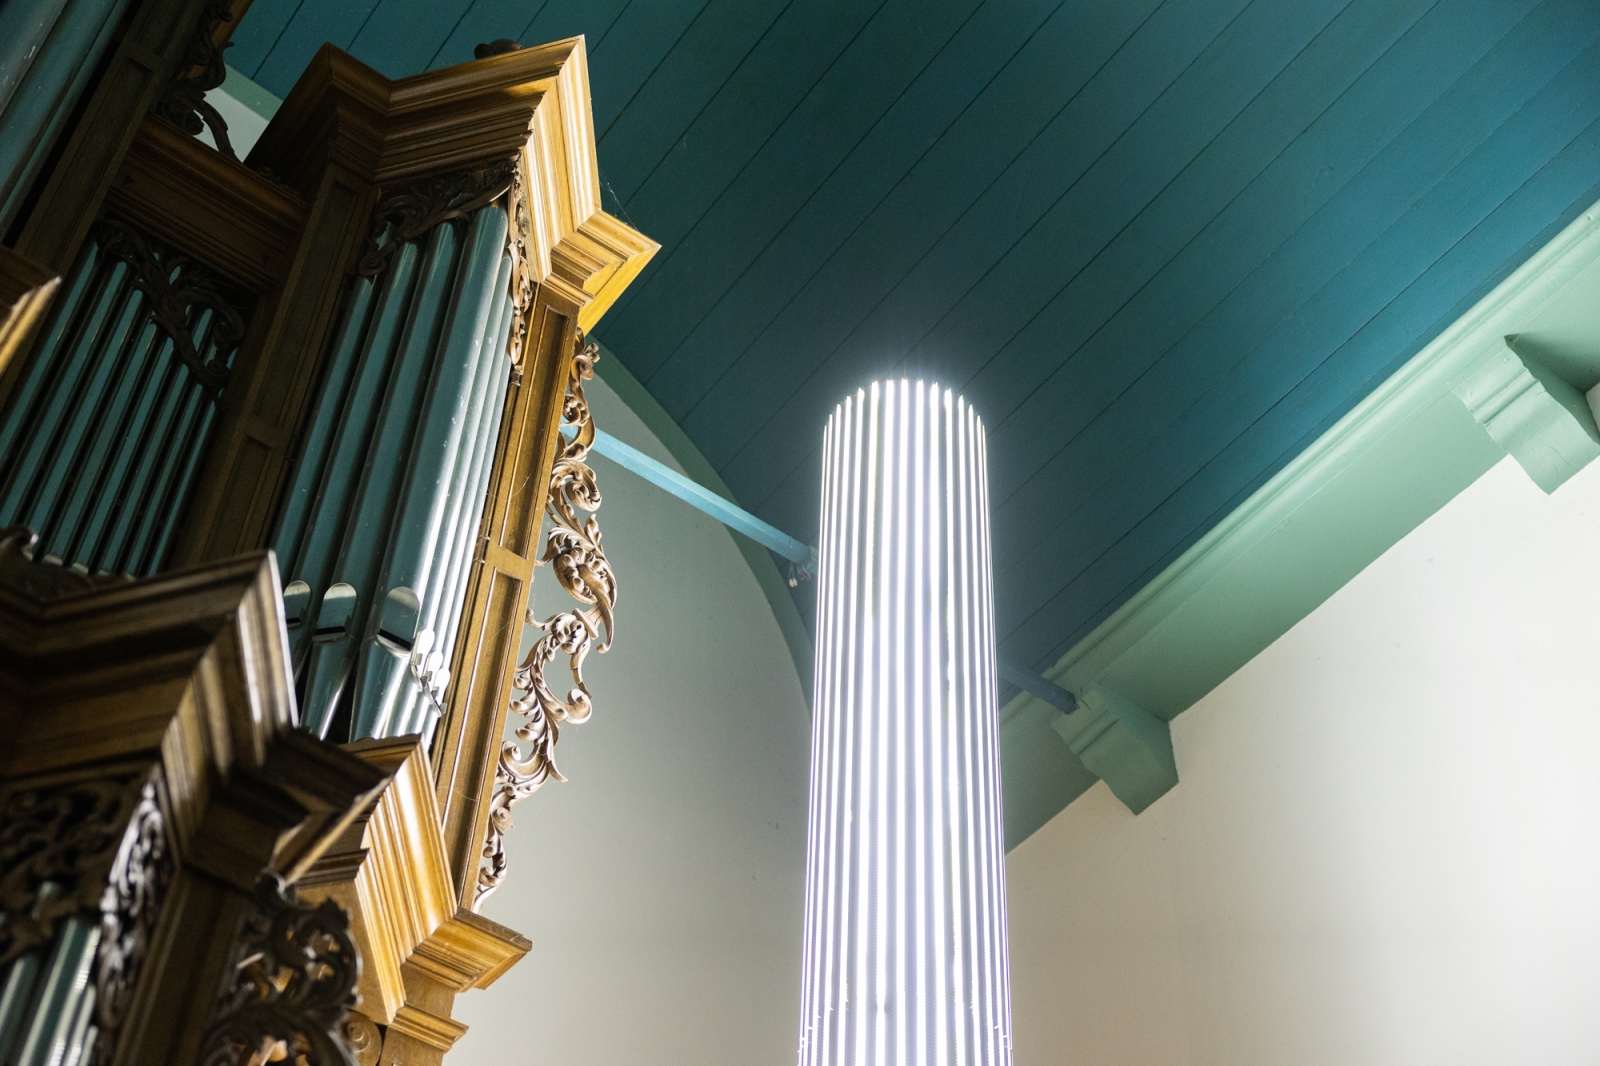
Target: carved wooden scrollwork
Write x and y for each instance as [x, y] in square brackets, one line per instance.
[130, 907]
[85, 849]
[411, 211]
[175, 286]
[56, 845]
[183, 103]
[294, 983]
[519, 238]
[573, 549]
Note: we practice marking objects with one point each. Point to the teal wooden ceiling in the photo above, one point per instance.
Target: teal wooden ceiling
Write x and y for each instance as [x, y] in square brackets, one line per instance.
[1160, 245]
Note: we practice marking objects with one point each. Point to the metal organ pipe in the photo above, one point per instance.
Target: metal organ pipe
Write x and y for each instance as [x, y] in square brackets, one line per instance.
[380, 521]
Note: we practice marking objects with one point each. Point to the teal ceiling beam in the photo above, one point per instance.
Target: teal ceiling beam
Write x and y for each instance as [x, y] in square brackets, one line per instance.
[803, 556]
[703, 499]
[1037, 684]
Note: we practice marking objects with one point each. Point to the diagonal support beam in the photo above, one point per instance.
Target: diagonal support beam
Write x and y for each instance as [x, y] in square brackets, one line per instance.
[803, 556]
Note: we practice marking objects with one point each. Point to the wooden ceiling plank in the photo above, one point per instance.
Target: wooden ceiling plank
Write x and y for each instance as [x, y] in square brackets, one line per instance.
[257, 33]
[1463, 115]
[1227, 162]
[311, 25]
[1267, 409]
[668, 95]
[1264, 443]
[840, 119]
[854, 281]
[1161, 155]
[396, 40]
[699, 42]
[673, 179]
[909, 162]
[1011, 54]
[1363, 248]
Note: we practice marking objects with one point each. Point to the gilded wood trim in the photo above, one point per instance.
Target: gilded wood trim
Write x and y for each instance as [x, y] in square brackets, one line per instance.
[475, 719]
[26, 289]
[389, 870]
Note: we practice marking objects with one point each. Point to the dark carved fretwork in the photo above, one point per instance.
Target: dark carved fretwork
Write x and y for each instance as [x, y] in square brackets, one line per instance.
[294, 982]
[129, 909]
[406, 213]
[175, 286]
[573, 549]
[58, 844]
[183, 103]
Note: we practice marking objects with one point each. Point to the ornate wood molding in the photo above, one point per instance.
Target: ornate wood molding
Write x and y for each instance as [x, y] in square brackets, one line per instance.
[95, 847]
[130, 908]
[152, 772]
[58, 844]
[409, 212]
[573, 549]
[25, 291]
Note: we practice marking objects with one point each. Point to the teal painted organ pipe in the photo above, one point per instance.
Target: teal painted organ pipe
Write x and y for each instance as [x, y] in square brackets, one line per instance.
[47, 53]
[500, 367]
[47, 1000]
[100, 446]
[436, 446]
[440, 599]
[379, 525]
[372, 528]
[325, 640]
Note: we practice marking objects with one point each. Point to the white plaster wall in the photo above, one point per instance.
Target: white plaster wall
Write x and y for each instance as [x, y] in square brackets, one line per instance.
[663, 883]
[1384, 849]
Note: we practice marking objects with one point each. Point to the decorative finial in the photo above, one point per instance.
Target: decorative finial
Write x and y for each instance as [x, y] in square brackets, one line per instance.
[496, 48]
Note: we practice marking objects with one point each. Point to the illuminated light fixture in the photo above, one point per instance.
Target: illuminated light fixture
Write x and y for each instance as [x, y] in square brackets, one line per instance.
[905, 959]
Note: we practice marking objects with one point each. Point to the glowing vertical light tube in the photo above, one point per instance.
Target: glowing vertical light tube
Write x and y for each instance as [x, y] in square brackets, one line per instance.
[905, 936]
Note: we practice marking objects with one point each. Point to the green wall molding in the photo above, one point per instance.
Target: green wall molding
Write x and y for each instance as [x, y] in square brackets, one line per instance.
[1543, 421]
[1121, 743]
[1375, 475]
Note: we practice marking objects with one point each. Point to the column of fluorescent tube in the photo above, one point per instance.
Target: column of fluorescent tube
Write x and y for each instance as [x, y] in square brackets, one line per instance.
[905, 937]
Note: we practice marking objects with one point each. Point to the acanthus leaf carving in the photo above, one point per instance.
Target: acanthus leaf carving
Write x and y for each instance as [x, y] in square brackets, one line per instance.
[183, 102]
[293, 985]
[519, 241]
[57, 843]
[579, 564]
[130, 907]
[408, 212]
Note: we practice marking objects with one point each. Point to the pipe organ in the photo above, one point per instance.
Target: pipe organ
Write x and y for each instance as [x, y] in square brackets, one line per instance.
[277, 439]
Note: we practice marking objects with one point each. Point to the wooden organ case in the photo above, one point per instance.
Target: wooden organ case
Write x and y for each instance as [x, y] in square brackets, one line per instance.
[277, 439]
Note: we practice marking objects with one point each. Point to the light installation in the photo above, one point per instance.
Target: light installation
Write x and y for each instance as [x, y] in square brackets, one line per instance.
[905, 930]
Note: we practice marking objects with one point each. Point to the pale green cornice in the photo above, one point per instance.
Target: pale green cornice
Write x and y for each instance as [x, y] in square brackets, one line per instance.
[1399, 456]
[1539, 418]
